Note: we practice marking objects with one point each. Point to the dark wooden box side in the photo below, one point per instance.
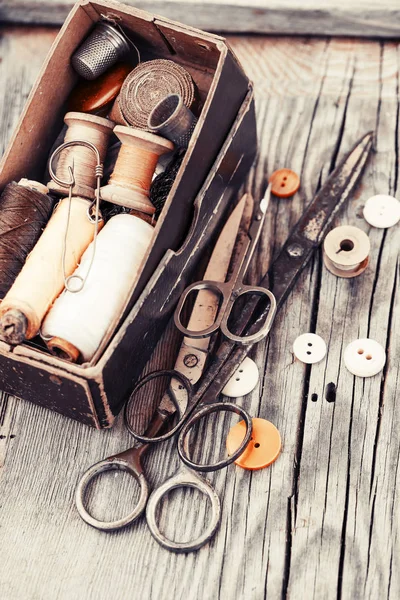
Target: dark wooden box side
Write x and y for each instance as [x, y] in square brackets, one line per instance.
[133, 345]
[48, 387]
[232, 85]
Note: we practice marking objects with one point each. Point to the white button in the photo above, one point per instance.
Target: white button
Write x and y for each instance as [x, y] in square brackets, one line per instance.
[309, 348]
[382, 211]
[243, 381]
[364, 357]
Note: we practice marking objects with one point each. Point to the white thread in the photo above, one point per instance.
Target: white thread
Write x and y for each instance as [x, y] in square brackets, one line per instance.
[83, 318]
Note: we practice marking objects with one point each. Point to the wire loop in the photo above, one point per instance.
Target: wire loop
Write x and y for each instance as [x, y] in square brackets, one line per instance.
[96, 218]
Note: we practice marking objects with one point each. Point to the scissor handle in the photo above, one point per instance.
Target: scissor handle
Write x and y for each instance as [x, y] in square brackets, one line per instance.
[222, 289]
[183, 478]
[183, 439]
[120, 462]
[264, 329]
[183, 381]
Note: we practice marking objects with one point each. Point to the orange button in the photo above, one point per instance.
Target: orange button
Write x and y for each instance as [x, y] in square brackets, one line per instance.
[285, 183]
[264, 446]
[96, 96]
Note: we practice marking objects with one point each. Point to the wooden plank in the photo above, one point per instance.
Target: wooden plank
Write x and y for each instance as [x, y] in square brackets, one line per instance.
[364, 18]
[322, 521]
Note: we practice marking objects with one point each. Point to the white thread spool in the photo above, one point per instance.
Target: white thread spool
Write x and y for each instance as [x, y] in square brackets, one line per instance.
[346, 251]
[88, 128]
[77, 322]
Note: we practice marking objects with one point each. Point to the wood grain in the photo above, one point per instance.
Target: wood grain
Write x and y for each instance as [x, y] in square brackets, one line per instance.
[323, 521]
[365, 18]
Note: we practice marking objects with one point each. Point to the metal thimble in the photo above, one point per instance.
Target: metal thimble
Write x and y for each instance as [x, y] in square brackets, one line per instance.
[100, 51]
[173, 120]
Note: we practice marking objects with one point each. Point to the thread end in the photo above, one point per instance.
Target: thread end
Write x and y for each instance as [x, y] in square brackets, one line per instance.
[13, 327]
[63, 349]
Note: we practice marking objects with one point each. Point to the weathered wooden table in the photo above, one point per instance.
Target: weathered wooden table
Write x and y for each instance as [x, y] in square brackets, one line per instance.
[323, 521]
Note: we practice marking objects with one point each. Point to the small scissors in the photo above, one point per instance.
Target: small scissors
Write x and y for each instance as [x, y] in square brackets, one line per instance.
[189, 366]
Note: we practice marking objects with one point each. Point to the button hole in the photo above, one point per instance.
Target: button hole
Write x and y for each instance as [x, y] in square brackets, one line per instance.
[283, 184]
[256, 445]
[360, 351]
[309, 344]
[240, 370]
[308, 352]
[368, 357]
[237, 378]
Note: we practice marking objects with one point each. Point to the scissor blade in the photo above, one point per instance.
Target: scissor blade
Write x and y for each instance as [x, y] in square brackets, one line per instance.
[192, 354]
[313, 225]
[206, 305]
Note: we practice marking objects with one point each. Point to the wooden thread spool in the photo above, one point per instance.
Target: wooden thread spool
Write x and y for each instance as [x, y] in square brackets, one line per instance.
[81, 159]
[129, 183]
[25, 209]
[41, 279]
[76, 323]
[346, 251]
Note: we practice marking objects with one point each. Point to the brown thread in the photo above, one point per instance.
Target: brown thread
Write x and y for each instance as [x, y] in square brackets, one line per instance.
[82, 160]
[130, 181]
[24, 213]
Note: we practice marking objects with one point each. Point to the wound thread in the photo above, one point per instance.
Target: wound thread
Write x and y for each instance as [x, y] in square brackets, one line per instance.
[130, 181]
[24, 211]
[77, 322]
[41, 279]
[81, 159]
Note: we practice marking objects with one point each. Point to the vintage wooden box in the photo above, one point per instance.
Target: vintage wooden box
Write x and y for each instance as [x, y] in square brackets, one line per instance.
[220, 153]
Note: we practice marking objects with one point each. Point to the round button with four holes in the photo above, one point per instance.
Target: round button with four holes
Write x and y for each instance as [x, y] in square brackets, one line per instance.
[382, 211]
[310, 348]
[284, 183]
[243, 381]
[264, 446]
[364, 357]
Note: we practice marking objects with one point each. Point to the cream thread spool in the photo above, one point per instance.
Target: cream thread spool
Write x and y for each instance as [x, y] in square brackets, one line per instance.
[129, 183]
[76, 324]
[346, 251]
[81, 159]
[41, 279]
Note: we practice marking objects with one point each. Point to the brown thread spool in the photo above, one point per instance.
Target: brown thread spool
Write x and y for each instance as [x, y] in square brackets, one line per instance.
[89, 128]
[346, 251]
[25, 209]
[41, 279]
[129, 183]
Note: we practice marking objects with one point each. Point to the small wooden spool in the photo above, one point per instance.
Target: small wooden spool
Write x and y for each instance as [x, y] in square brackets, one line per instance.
[63, 349]
[346, 251]
[129, 183]
[33, 185]
[82, 127]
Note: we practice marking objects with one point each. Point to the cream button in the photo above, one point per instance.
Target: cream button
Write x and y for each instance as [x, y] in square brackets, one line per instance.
[309, 348]
[364, 357]
[243, 381]
[382, 211]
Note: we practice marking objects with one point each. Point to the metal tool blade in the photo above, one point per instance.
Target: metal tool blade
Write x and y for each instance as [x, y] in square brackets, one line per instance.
[206, 305]
[310, 230]
[192, 354]
[290, 262]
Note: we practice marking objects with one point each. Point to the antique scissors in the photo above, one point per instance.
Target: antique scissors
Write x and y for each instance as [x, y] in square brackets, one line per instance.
[189, 366]
[229, 292]
[306, 236]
